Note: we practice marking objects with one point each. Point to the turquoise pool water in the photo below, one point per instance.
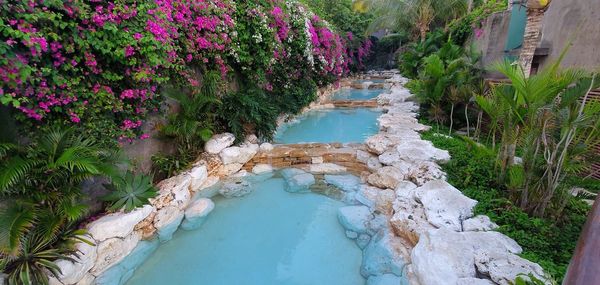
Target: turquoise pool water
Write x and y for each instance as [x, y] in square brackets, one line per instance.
[330, 125]
[267, 237]
[356, 94]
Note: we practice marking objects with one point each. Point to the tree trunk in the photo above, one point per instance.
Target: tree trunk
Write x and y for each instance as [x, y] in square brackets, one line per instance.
[451, 119]
[531, 39]
[423, 32]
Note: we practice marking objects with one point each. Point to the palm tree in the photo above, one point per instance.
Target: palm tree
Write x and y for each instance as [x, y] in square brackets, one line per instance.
[40, 193]
[533, 29]
[552, 119]
[193, 124]
[416, 16]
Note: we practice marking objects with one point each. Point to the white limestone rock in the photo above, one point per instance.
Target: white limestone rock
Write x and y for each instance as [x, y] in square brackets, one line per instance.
[373, 164]
[72, 273]
[88, 279]
[167, 221]
[362, 156]
[424, 171]
[208, 188]
[299, 183]
[119, 224]
[474, 281]
[379, 143]
[229, 169]
[503, 268]
[198, 175]
[386, 177]
[367, 195]
[346, 182]
[421, 150]
[479, 223]
[219, 142]
[113, 250]
[444, 205]
[326, 168]
[381, 256]
[386, 279]
[196, 213]
[177, 187]
[444, 256]
[384, 201]
[266, 147]
[389, 157]
[241, 154]
[354, 218]
[251, 139]
[235, 188]
[262, 168]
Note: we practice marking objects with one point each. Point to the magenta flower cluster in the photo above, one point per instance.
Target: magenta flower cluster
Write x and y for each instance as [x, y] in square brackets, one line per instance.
[100, 64]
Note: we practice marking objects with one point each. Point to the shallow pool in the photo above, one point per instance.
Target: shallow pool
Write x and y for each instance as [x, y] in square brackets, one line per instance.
[356, 94]
[269, 236]
[330, 125]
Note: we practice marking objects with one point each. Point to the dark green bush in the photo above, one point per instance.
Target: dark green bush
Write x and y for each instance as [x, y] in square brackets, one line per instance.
[248, 111]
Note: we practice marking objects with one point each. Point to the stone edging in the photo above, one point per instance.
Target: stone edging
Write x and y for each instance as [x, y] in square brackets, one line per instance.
[119, 235]
[416, 225]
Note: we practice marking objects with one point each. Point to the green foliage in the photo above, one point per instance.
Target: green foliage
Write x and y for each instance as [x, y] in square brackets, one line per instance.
[193, 124]
[461, 29]
[40, 185]
[38, 250]
[446, 78]
[33, 236]
[551, 119]
[53, 165]
[530, 279]
[411, 59]
[129, 192]
[417, 17]
[249, 111]
[547, 241]
[168, 165]
[341, 15]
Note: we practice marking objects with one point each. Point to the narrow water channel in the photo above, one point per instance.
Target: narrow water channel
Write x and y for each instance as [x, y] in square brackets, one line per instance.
[269, 236]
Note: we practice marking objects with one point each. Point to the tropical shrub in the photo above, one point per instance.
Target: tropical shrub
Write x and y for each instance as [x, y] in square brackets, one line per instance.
[410, 60]
[40, 186]
[194, 123]
[38, 249]
[249, 112]
[417, 17]
[550, 117]
[129, 192]
[446, 79]
[50, 169]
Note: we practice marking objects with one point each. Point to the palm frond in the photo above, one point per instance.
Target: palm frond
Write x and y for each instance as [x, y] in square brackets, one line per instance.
[15, 220]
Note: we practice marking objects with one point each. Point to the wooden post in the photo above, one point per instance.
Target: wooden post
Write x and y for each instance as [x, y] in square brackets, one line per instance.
[584, 268]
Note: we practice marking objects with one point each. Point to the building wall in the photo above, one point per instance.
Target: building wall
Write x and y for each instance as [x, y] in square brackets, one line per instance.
[491, 43]
[576, 20]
